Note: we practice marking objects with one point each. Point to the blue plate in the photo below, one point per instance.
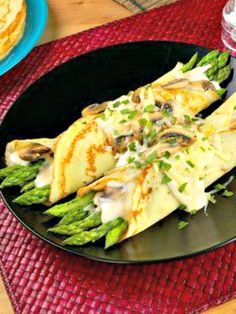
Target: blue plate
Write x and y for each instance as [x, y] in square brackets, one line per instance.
[36, 19]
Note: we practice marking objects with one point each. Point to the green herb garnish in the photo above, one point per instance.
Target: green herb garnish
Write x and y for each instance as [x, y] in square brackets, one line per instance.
[182, 187]
[131, 159]
[189, 162]
[125, 111]
[150, 158]
[164, 165]
[149, 108]
[132, 114]
[142, 122]
[125, 101]
[122, 121]
[193, 212]
[227, 193]
[116, 104]
[132, 147]
[182, 224]
[219, 187]
[166, 155]
[138, 164]
[165, 179]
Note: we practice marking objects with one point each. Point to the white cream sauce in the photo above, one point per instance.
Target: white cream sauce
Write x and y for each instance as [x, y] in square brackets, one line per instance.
[44, 176]
[16, 160]
[114, 208]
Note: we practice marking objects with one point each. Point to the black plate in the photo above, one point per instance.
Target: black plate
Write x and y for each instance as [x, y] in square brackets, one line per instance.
[51, 104]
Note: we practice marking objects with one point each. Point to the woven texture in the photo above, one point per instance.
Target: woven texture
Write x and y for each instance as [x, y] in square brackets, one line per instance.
[42, 279]
[136, 6]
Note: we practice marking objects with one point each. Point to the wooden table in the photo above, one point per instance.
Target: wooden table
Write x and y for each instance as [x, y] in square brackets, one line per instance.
[68, 17]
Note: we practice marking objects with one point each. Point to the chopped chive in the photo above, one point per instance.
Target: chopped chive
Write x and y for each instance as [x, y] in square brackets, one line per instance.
[166, 113]
[182, 187]
[187, 118]
[202, 148]
[125, 111]
[149, 124]
[182, 207]
[149, 108]
[182, 224]
[219, 187]
[132, 147]
[193, 212]
[227, 193]
[150, 158]
[125, 101]
[132, 114]
[166, 154]
[212, 199]
[189, 162]
[162, 165]
[103, 116]
[131, 159]
[138, 164]
[116, 104]
[142, 122]
[123, 121]
[177, 157]
[153, 133]
[165, 179]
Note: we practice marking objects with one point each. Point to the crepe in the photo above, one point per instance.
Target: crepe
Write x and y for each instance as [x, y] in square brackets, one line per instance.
[145, 196]
[12, 24]
[91, 146]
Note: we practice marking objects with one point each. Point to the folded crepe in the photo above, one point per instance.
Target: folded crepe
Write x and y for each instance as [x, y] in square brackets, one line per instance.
[167, 176]
[92, 145]
[12, 24]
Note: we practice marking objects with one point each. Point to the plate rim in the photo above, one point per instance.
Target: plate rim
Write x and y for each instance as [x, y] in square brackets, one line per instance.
[87, 255]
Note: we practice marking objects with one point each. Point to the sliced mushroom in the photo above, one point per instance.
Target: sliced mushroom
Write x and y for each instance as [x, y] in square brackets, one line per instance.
[120, 143]
[176, 84]
[155, 116]
[202, 85]
[110, 193]
[34, 152]
[136, 96]
[159, 93]
[177, 136]
[167, 108]
[94, 109]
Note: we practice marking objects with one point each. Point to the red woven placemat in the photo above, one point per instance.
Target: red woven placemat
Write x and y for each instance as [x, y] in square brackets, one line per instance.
[42, 279]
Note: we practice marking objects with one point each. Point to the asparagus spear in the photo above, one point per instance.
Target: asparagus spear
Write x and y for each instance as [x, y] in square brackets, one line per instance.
[114, 234]
[22, 175]
[223, 59]
[4, 172]
[208, 58]
[221, 91]
[34, 196]
[211, 72]
[92, 235]
[28, 186]
[223, 74]
[91, 221]
[62, 209]
[73, 216]
[188, 66]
